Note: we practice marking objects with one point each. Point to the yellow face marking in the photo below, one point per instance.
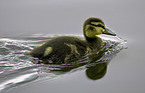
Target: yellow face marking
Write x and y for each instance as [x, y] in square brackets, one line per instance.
[93, 33]
[47, 51]
[96, 23]
[100, 29]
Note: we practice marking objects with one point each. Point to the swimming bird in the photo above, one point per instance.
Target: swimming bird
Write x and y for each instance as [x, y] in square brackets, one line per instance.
[63, 49]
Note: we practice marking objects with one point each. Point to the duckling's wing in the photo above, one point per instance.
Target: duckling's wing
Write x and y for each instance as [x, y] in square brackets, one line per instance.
[61, 49]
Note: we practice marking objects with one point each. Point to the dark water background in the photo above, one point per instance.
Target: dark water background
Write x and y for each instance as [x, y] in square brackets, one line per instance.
[125, 72]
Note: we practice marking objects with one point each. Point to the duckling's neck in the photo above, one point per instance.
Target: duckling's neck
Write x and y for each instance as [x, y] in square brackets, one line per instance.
[95, 43]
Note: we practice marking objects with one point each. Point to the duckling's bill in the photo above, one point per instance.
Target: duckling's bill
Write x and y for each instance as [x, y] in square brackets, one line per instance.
[109, 32]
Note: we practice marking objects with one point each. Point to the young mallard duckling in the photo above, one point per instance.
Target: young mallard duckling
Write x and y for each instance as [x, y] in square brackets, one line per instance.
[67, 48]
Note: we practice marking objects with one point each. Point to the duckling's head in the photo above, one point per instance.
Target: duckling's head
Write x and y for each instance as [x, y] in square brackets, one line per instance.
[95, 26]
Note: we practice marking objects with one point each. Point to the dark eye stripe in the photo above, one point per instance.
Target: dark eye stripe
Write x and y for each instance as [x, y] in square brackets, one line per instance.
[99, 25]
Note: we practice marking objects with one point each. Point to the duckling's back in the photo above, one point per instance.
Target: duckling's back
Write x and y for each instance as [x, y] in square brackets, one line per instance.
[60, 49]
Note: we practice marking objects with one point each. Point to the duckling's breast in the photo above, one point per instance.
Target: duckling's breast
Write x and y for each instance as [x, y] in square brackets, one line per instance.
[95, 44]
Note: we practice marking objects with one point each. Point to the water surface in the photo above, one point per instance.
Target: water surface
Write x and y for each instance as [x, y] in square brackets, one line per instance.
[16, 68]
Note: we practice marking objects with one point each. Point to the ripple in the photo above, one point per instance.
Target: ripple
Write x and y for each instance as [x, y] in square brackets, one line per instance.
[17, 68]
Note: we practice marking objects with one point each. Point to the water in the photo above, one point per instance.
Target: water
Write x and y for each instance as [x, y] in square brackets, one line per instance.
[125, 72]
[16, 68]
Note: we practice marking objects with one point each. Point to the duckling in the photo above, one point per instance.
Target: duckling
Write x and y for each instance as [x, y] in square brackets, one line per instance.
[64, 49]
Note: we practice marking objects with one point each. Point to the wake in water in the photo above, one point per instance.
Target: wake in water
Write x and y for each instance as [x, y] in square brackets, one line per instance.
[17, 68]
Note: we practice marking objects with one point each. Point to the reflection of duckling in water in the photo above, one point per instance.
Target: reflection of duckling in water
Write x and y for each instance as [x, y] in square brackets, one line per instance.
[93, 71]
[96, 71]
[67, 48]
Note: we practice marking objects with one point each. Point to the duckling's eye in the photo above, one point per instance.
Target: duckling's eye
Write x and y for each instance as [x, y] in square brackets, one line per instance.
[99, 25]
